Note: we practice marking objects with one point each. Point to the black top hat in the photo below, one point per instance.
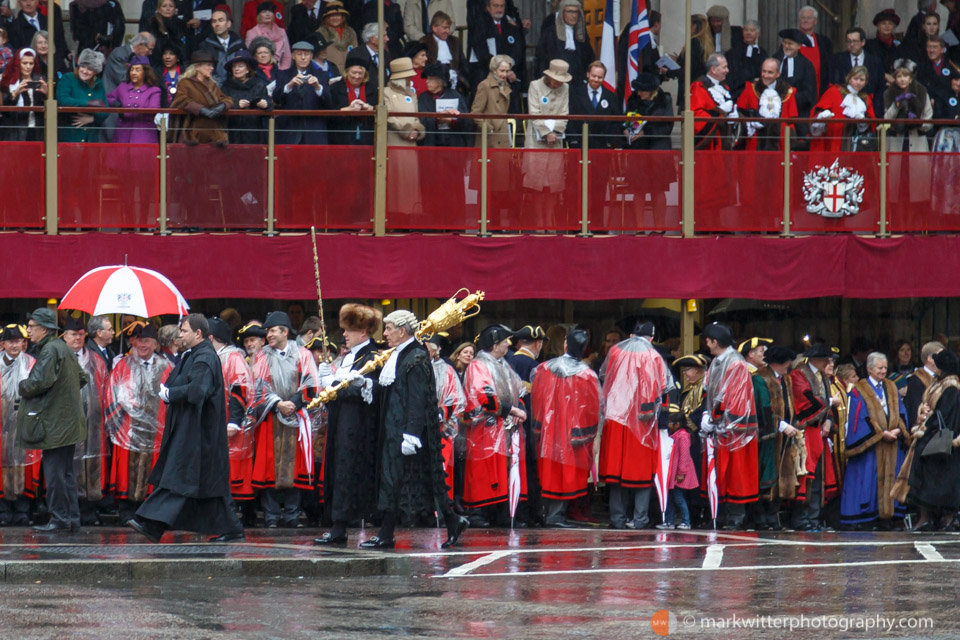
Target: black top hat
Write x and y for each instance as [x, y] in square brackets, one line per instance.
[818, 350]
[779, 355]
[73, 324]
[141, 330]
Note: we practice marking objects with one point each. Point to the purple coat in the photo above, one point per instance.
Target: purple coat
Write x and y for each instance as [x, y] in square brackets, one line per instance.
[135, 127]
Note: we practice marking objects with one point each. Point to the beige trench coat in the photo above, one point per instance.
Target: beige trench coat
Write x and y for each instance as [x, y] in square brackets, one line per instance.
[545, 171]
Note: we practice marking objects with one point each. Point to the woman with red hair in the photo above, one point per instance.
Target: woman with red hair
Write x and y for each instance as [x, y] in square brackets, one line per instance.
[23, 86]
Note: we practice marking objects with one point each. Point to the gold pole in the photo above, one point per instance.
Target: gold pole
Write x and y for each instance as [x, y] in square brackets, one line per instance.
[162, 220]
[271, 178]
[686, 326]
[484, 160]
[687, 206]
[380, 170]
[382, 31]
[51, 177]
[585, 181]
[786, 182]
[316, 273]
[883, 179]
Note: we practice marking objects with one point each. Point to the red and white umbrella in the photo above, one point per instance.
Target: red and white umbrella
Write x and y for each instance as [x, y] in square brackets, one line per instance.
[662, 476]
[121, 289]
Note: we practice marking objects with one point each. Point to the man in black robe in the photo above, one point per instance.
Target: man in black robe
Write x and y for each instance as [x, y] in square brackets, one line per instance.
[412, 478]
[797, 71]
[192, 473]
[350, 462]
[566, 40]
[491, 32]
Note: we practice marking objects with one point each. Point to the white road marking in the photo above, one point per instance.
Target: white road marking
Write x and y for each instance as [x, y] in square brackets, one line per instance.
[928, 551]
[714, 557]
[826, 565]
[465, 569]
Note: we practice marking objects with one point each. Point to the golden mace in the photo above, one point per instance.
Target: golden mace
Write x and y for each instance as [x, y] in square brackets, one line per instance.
[449, 314]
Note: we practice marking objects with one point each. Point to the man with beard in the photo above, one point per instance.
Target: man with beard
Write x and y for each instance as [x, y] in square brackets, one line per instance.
[637, 394]
[252, 337]
[20, 467]
[495, 415]
[92, 479]
[350, 463]
[566, 416]
[135, 417]
[286, 379]
[191, 477]
[411, 462]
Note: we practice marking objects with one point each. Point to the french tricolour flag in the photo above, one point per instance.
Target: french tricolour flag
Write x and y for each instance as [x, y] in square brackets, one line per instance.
[608, 47]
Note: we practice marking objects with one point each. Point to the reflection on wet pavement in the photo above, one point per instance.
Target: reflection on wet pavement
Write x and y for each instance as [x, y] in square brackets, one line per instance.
[529, 584]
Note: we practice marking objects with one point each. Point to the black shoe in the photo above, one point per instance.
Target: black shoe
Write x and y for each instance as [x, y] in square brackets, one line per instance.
[376, 543]
[330, 539]
[229, 537]
[141, 528]
[923, 527]
[54, 527]
[563, 524]
[479, 522]
[454, 536]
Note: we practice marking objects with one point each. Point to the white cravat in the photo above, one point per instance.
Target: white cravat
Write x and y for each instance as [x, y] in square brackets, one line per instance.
[443, 51]
[788, 64]
[750, 50]
[570, 43]
[389, 372]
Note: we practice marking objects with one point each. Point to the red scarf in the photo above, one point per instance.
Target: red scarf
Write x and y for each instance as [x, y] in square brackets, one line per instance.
[352, 93]
[267, 69]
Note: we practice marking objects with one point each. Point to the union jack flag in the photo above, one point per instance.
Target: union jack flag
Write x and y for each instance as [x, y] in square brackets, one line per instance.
[638, 38]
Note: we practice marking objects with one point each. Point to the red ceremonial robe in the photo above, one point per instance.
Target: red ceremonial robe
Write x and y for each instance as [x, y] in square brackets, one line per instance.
[811, 401]
[566, 415]
[812, 53]
[134, 417]
[738, 472]
[93, 480]
[279, 460]
[834, 138]
[451, 402]
[749, 102]
[624, 459]
[238, 388]
[710, 131]
[15, 479]
[487, 467]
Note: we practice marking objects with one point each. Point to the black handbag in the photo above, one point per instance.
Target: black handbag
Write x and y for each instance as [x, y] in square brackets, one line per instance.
[941, 444]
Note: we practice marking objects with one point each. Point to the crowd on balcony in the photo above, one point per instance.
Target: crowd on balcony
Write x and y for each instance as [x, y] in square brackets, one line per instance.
[325, 56]
[545, 420]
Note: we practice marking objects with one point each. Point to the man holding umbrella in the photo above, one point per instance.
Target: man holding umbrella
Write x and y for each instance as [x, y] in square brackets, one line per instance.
[192, 473]
[51, 418]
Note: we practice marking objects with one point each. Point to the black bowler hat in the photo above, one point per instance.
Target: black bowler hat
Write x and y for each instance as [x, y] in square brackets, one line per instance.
[818, 350]
[779, 355]
[143, 330]
[644, 329]
[220, 330]
[73, 324]
[278, 319]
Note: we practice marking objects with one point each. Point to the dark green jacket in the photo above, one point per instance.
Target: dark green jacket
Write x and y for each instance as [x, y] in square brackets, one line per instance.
[71, 92]
[51, 413]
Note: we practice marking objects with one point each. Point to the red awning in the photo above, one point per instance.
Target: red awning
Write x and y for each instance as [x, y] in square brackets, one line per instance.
[571, 268]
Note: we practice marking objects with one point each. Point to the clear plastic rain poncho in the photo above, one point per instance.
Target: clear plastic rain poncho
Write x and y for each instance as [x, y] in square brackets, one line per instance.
[450, 396]
[13, 456]
[566, 410]
[490, 385]
[135, 413]
[729, 401]
[238, 388]
[92, 397]
[635, 377]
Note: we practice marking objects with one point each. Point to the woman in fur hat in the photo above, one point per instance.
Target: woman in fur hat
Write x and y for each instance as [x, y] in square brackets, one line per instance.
[567, 41]
[336, 31]
[82, 88]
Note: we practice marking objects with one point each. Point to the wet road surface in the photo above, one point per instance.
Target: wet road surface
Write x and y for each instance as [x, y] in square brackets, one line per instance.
[524, 584]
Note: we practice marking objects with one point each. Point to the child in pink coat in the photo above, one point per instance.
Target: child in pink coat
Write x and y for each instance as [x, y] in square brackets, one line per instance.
[683, 475]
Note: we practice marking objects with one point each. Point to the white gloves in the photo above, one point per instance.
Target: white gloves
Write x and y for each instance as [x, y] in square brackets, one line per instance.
[353, 375]
[726, 106]
[825, 114]
[783, 426]
[233, 429]
[324, 369]
[410, 444]
[165, 393]
[162, 117]
[705, 425]
[753, 127]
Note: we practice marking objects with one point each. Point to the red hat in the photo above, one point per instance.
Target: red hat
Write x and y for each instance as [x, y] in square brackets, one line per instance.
[887, 14]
